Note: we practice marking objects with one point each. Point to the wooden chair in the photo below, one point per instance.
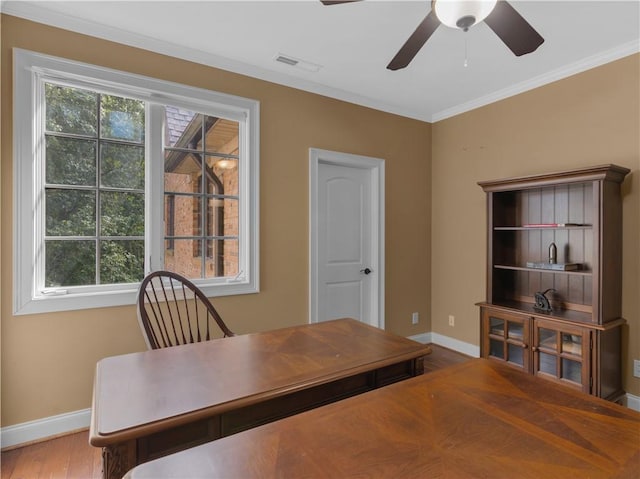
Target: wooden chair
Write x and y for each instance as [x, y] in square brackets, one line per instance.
[173, 311]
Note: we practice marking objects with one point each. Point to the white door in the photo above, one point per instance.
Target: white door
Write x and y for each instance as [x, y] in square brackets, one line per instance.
[346, 238]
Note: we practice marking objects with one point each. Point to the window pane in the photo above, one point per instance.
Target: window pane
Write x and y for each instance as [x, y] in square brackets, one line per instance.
[548, 339]
[121, 261]
[222, 217]
[122, 118]
[515, 330]
[70, 212]
[122, 166]
[572, 344]
[179, 219]
[222, 177]
[122, 214]
[184, 258]
[516, 354]
[71, 110]
[70, 161]
[183, 128]
[496, 349]
[221, 136]
[572, 370]
[182, 172]
[496, 326]
[222, 258]
[547, 363]
[70, 263]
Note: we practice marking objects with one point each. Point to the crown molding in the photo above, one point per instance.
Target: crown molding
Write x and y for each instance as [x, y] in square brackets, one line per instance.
[587, 63]
[43, 15]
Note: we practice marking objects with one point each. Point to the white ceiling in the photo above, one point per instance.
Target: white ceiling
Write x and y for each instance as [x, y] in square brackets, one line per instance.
[354, 42]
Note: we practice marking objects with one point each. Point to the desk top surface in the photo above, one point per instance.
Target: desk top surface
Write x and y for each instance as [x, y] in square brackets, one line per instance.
[475, 419]
[136, 394]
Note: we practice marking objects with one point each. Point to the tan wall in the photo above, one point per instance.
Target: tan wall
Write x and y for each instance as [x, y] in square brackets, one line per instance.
[48, 360]
[589, 119]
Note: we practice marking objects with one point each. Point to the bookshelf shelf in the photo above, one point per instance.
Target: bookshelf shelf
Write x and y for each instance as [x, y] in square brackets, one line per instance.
[540, 270]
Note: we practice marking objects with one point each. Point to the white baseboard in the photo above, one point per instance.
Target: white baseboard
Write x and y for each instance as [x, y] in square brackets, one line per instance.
[456, 345]
[447, 342]
[423, 338]
[632, 402]
[43, 428]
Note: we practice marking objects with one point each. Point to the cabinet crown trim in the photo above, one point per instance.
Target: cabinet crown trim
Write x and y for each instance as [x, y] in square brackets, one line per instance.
[608, 172]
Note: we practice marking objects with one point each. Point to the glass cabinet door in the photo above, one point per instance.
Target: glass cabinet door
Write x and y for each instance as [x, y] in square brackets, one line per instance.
[561, 353]
[506, 338]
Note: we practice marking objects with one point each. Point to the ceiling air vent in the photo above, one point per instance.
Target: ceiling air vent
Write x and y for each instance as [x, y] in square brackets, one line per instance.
[297, 63]
[287, 60]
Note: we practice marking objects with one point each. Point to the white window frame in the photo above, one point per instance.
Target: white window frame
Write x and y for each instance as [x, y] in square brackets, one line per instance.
[30, 70]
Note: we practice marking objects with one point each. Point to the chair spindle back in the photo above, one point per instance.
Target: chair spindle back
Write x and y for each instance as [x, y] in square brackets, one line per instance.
[173, 311]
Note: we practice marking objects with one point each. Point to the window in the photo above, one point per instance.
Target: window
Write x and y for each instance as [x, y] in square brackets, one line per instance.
[93, 187]
[116, 175]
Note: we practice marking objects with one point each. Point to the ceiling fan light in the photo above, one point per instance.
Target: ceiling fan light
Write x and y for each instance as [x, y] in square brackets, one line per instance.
[462, 13]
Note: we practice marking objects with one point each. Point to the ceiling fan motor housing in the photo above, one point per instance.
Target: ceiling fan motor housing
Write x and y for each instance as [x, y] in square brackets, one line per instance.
[462, 14]
[465, 22]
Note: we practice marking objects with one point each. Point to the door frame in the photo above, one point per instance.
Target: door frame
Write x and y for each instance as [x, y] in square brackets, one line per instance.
[376, 166]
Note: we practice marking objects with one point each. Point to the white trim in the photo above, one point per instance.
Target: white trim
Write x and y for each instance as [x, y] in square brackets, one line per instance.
[44, 428]
[447, 342]
[632, 402]
[38, 13]
[41, 14]
[423, 338]
[377, 168]
[587, 63]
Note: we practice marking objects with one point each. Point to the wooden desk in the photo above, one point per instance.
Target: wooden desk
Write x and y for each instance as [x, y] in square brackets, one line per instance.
[150, 404]
[475, 419]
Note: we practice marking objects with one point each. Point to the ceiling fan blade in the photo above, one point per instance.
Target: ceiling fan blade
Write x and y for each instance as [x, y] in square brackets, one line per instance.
[337, 2]
[513, 30]
[415, 42]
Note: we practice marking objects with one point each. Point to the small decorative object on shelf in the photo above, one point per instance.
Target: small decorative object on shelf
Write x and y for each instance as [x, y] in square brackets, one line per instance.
[553, 266]
[553, 253]
[542, 304]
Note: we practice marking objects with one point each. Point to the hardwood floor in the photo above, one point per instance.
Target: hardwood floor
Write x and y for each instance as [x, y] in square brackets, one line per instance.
[66, 457]
[71, 456]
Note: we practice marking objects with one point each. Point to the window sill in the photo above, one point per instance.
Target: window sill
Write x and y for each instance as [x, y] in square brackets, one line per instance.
[123, 297]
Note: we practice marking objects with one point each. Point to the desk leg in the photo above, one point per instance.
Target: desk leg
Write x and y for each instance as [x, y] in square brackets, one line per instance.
[419, 366]
[118, 459]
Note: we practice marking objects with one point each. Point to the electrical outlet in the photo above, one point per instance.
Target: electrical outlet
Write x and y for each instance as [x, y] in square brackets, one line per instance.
[636, 368]
[415, 318]
[452, 320]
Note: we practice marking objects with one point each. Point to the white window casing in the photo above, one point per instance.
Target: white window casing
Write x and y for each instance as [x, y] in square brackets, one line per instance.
[30, 71]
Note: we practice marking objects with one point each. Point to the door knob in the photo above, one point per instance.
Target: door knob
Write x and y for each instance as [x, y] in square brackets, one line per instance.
[366, 271]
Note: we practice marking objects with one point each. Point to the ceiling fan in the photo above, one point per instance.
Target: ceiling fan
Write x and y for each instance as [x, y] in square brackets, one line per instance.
[499, 15]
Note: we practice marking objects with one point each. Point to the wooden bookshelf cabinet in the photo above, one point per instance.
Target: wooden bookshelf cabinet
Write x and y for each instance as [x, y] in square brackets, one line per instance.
[580, 212]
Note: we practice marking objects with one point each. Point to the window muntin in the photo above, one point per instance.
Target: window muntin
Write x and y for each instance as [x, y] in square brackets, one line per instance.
[94, 187]
[201, 192]
[106, 131]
